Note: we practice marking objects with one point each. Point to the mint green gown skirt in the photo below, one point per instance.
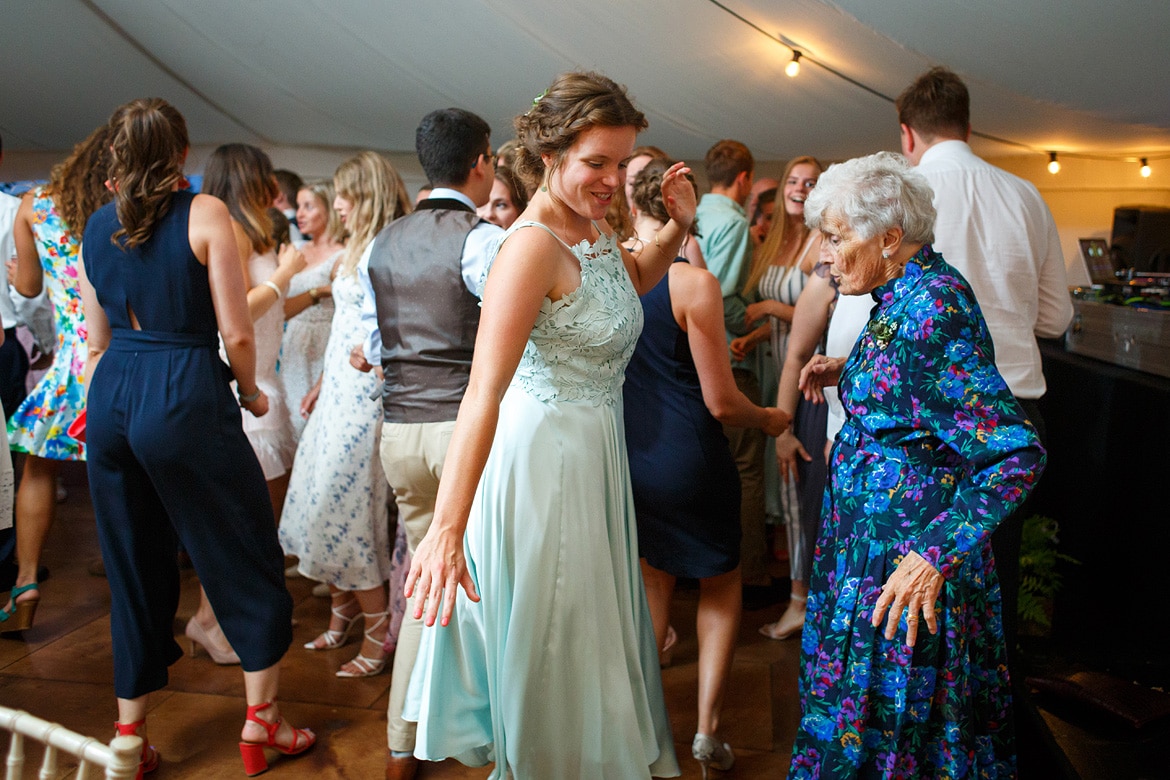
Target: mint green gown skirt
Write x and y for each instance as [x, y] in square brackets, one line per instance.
[554, 672]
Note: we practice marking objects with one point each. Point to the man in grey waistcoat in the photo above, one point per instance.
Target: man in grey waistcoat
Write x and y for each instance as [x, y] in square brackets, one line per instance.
[421, 276]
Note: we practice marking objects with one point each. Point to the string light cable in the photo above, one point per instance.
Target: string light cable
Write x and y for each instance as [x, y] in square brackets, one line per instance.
[800, 55]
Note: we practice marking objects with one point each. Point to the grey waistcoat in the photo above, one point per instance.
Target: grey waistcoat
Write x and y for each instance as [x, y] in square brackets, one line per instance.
[426, 315]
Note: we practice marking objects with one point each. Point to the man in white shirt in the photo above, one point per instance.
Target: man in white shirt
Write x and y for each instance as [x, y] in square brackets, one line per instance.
[13, 371]
[996, 229]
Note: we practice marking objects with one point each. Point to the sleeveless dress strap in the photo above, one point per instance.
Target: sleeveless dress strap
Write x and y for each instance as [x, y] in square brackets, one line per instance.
[542, 226]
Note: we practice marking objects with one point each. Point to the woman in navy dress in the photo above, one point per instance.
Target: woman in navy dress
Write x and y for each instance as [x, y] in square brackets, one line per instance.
[934, 453]
[679, 392]
[169, 461]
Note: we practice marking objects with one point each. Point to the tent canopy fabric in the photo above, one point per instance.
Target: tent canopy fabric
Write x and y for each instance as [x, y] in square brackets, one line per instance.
[1077, 77]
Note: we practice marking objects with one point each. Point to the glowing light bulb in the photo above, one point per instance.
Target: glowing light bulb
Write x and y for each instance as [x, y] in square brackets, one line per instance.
[793, 67]
[1145, 169]
[1053, 163]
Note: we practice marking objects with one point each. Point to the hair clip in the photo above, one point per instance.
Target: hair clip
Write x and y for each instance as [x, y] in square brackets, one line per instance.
[536, 102]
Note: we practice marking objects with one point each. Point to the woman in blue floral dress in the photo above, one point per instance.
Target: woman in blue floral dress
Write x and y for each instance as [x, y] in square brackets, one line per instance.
[935, 451]
[48, 231]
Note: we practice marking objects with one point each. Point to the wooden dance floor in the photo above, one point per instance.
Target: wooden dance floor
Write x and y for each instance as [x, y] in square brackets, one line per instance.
[62, 670]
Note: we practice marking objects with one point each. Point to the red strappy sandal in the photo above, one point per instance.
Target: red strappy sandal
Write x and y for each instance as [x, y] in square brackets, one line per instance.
[255, 762]
[150, 757]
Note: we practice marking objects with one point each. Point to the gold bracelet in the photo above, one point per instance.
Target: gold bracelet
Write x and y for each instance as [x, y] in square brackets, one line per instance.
[314, 295]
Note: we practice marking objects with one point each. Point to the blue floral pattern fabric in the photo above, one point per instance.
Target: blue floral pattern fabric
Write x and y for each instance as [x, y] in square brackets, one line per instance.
[335, 514]
[39, 427]
[934, 453]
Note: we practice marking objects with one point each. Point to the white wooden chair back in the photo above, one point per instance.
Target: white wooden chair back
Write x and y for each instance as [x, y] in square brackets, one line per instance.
[119, 758]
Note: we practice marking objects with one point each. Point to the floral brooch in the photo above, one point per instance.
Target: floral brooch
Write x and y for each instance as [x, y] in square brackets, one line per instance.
[883, 331]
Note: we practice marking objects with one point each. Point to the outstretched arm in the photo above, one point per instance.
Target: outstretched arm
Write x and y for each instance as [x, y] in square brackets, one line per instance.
[698, 308]
[810, 318]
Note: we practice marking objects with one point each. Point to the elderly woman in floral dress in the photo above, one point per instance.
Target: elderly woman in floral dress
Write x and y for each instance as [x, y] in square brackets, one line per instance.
[935, 451]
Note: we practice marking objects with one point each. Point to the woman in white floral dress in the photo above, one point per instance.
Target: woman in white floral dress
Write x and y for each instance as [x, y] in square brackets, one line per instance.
[308, 307]
[335, 514]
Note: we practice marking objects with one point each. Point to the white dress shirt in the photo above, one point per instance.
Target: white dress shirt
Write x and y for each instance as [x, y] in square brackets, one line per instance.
[472, 263]
[8, 207]
[996, 229]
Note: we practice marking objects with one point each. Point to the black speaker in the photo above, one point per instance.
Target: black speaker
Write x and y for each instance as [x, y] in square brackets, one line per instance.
[1141, 238]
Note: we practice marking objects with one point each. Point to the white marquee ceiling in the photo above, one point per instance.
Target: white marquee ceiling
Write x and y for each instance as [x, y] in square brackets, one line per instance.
[1075, 76]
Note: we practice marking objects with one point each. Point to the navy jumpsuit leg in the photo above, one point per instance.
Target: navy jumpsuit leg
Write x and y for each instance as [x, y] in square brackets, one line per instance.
[168, 459]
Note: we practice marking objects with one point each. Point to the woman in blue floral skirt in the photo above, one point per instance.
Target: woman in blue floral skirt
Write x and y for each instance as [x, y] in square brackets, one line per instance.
[935, 451]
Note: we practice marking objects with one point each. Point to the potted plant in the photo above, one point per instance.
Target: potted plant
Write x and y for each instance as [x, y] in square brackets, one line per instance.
[1039, 578]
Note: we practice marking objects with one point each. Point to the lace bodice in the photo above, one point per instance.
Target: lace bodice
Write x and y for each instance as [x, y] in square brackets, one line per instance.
[317, 276]
[580, 344]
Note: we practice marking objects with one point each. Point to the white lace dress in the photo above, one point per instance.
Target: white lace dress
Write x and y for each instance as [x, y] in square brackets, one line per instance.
[554, 673]
[335, 513]
[302, 350]
[271, 435]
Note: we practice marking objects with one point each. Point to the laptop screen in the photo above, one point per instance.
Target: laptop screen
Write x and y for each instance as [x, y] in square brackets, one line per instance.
[1098, 261]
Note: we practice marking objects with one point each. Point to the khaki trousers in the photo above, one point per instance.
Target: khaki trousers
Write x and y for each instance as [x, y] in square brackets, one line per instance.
[412, 457]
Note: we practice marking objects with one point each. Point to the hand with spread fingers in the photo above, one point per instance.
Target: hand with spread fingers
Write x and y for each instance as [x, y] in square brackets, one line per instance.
[678, 195]
[914, 586]
[437, 570]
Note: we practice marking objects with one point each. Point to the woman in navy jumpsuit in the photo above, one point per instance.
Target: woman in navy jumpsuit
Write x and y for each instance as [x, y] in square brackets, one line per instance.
[169, 460]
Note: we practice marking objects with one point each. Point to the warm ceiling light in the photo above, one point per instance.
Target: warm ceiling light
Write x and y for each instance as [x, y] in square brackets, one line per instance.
[1145, 169]
[1053, 163]
[793, 67]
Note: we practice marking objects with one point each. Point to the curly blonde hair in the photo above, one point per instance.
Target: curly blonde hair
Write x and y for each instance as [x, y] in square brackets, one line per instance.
[78, 184]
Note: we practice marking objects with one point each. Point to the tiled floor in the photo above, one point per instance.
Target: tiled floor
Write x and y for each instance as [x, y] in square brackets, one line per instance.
[61, 670]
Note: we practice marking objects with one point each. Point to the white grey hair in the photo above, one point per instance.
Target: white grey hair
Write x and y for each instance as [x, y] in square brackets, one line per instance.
[873, 194]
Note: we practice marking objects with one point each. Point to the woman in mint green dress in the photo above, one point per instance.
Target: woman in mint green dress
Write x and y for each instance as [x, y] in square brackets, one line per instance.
[547, 664]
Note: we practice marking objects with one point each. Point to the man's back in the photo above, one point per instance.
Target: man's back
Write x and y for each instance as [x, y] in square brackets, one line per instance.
[996, 229]
[725, 240]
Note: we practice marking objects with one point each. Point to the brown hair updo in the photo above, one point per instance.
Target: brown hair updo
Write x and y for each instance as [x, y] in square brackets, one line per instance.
[148, 146]
[648, 190]
[573, 103]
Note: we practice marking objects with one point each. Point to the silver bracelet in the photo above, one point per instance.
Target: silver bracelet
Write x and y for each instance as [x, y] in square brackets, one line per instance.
[275, 288]
[250, 397]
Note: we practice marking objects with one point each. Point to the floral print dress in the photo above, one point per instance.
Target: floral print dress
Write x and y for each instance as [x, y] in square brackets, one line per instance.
[39, 426]
[935, 451]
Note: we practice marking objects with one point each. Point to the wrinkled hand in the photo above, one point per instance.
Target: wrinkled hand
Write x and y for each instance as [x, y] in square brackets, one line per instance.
[817, 374]
[257, 407]
[437, 570]
[914, 586]
[678, 195]
[292, 258]
[788, 449]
